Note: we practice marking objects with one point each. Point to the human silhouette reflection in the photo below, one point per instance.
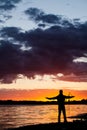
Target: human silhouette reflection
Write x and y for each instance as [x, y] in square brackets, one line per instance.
[61, 104]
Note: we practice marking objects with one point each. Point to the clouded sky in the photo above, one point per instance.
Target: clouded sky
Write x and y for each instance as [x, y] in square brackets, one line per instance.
[43, 38]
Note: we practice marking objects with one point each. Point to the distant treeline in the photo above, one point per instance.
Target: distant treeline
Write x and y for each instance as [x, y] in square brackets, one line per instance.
[11, 102]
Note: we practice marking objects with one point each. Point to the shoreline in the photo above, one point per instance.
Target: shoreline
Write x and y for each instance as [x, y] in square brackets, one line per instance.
[78, 124]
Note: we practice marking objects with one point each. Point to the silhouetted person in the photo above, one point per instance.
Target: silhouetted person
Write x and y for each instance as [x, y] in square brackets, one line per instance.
[61, 104]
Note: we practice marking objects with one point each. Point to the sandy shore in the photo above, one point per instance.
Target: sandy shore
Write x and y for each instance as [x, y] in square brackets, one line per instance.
[76, 125]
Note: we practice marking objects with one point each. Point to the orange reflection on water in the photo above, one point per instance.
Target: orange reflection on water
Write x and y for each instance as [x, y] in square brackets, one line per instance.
[15, 116]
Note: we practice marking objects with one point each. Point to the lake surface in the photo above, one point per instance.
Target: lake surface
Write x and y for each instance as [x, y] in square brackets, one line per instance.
[21, 115]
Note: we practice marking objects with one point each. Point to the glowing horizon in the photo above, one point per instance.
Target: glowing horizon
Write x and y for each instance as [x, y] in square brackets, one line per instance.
[39, 94]
[40, 87]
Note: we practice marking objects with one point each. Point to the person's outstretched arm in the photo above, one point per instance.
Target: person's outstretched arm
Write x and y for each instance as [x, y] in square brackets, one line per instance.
[50, 98]
[69, 96]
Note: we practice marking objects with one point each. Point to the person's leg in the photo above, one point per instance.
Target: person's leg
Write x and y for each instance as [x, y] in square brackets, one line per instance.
[64, 114]
[59, 114]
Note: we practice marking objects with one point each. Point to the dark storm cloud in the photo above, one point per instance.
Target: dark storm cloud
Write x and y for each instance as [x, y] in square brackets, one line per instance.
[6, 5]
[43, 19]
[39, 16]
[53, 51]
[9, 60]
[10, 32]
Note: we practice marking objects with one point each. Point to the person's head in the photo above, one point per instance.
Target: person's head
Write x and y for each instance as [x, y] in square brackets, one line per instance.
[60, 91]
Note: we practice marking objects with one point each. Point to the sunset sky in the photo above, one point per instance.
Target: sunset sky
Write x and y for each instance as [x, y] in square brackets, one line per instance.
[43, 48]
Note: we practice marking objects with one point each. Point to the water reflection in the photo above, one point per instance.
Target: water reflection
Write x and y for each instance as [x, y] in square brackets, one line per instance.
[14, 116]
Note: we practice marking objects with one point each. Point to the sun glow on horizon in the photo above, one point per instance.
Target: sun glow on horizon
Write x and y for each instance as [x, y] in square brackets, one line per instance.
[41, 87]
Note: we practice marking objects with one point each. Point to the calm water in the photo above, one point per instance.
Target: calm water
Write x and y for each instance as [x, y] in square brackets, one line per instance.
[15, 116]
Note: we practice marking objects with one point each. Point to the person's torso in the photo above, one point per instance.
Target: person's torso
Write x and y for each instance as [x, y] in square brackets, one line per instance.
[61, 100]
